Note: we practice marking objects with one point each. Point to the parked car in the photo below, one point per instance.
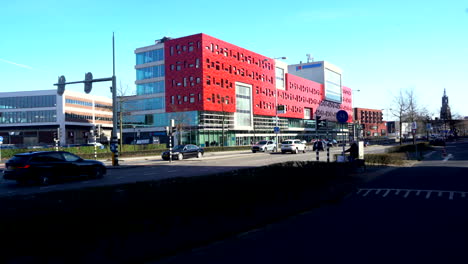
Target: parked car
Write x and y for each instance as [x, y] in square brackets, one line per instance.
[45, 167]
[264, 145]
[318, 145]
[181, 152]
[293, 146]
[437, 142]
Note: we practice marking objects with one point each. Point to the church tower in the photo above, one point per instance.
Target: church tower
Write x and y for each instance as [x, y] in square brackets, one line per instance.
[445, 109]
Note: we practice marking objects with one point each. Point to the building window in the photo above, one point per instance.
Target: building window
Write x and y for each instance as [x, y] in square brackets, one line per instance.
[307, 113]
[279, 78]
[243, 117]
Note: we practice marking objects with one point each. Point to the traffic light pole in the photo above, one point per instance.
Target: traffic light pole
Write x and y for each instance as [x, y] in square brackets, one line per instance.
[88, 84]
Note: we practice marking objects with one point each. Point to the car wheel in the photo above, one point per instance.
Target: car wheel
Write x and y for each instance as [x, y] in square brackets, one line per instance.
[304, 150]
[199, 155]
[296, 151]
[180, 156]
[282, 152]
[97, 173]
[44, 179]
[253, 151]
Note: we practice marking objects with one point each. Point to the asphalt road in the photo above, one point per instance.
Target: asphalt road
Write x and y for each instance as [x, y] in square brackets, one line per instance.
[415, 214]
[154, 168]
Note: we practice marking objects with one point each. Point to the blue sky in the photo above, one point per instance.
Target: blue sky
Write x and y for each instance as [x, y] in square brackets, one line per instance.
[381, 46]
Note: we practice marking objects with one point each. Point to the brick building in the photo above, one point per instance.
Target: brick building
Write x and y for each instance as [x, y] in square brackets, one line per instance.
[371, 122]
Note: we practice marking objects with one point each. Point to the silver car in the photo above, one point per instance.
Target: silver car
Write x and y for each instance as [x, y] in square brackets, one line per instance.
[264, 146]
[293, 145]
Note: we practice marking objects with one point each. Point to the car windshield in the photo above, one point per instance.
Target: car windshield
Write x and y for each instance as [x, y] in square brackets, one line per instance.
[263, 142]
[287, 142]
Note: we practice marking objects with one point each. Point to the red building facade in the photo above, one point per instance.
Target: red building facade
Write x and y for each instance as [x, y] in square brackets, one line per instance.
[228, 93]
[201, 72]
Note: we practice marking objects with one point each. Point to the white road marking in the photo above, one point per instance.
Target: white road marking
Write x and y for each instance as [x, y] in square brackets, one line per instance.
[367, 192]
[418, 192]
[451, 196]
[46, 187]
[407, 193]
[428, 194]
[386, 193]
[449, 156]
[440, 194]
[377, 192]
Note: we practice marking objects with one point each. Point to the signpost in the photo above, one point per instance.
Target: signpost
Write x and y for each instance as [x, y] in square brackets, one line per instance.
[342, 118]
[1, 142]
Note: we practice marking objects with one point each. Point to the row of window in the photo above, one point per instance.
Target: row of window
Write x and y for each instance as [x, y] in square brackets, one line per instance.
[179, 65]
[77, 117]
[151, 88]
[239, 56]
[238, 71]
[162, 119]
[105, 106]
[144, 104]
[219, 99]
[303, 88]
[297, 98]
[150, 56]
[150, 72]
[28, 117]
[223, 83]
[27, 102]
[186, 81]
[78, 102]
[178, 49]
[184, 99]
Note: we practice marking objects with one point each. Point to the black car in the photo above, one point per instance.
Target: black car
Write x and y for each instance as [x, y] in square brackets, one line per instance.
[44, 167]
[184, 151]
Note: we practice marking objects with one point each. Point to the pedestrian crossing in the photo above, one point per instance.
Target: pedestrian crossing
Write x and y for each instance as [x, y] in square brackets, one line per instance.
[411, 193]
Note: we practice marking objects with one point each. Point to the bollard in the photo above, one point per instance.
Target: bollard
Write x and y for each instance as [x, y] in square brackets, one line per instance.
[317, 154]
[328, 154]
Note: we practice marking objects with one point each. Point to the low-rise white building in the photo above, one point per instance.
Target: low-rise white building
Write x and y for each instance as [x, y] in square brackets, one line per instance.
[32, 118]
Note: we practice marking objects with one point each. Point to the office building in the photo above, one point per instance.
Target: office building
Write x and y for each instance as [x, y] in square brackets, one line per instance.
[36, 118]
[222, 94]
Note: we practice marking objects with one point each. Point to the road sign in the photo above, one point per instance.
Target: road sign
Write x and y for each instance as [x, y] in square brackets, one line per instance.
[1, 140]
[342, 116]
[276, 129]
[414, 125]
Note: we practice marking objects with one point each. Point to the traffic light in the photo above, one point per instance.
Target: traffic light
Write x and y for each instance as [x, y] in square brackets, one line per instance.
[88, 82]
[55, 134]
[61, 85]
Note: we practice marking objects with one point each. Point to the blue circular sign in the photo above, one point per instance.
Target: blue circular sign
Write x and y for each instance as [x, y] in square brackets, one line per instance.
[1, 139]
[342, 116]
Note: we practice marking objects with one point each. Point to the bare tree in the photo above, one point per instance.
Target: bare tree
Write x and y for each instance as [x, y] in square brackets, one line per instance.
[123, 108]
[412, 113]
[400, 110]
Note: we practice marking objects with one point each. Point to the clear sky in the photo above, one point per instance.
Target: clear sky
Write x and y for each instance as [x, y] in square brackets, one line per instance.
[381, 46]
